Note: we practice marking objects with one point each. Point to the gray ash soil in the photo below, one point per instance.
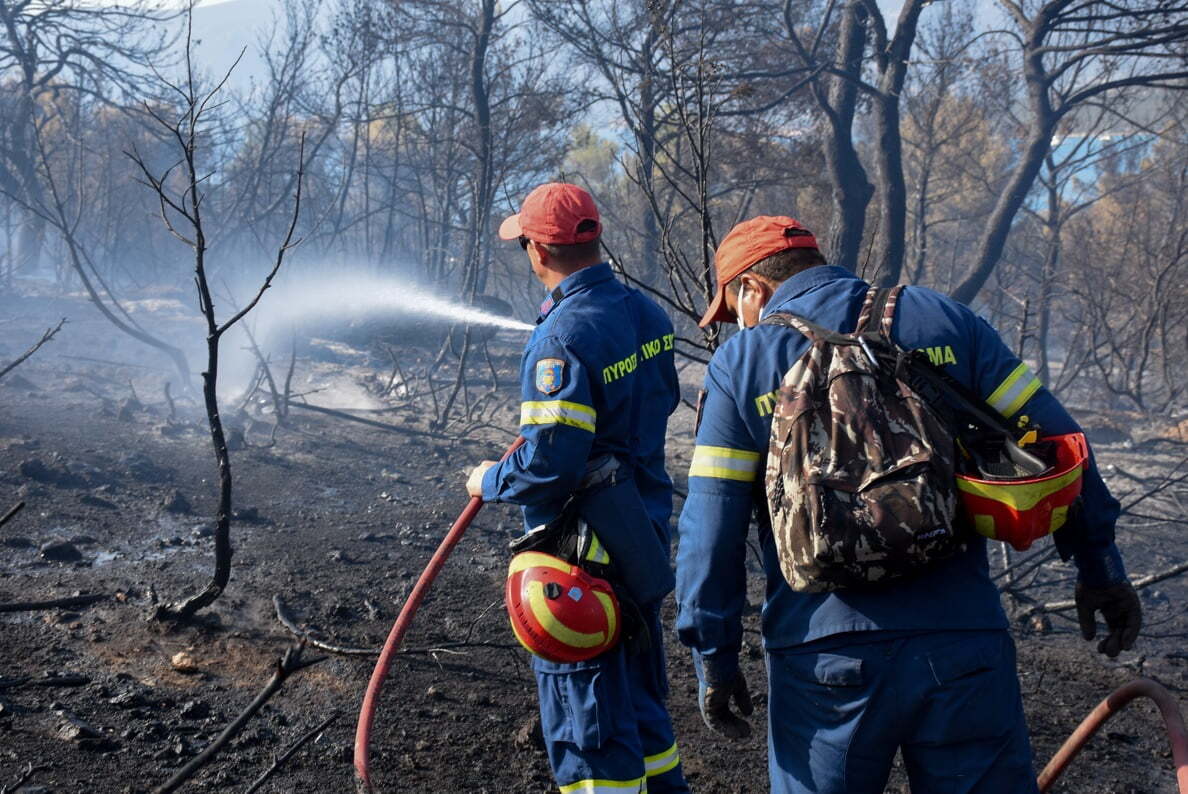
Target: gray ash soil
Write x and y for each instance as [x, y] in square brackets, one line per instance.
[339, 519]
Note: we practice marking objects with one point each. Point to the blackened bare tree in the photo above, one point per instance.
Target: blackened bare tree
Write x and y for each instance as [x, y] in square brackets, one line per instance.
[1073, 54]
[54, 46]
[65, 212]
[837, 95]
[181, 199]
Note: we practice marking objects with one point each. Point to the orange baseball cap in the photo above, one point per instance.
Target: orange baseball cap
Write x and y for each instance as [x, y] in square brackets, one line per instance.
[552, 214]
[748, 243]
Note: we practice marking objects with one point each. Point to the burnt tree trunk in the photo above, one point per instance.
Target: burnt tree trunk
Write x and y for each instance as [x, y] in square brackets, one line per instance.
[852, 190]
[891, 59]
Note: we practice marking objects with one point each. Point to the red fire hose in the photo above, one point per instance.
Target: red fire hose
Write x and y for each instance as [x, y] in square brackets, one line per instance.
[1142, 687]
[396, 635]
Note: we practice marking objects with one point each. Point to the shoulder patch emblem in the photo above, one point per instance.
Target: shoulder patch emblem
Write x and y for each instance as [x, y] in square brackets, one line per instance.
[548, 375]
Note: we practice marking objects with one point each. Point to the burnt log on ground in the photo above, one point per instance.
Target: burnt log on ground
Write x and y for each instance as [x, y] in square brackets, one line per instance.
[54, 603]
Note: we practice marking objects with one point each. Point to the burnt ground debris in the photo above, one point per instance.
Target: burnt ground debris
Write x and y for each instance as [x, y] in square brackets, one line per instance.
[339, 519]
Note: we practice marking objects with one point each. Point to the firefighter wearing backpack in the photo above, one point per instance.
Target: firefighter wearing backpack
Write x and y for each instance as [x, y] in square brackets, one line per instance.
[921, 663]
[598, 383]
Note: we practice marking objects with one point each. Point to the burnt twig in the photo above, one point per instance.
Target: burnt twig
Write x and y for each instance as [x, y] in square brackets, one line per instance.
[47, 336]
[54, 603]
[18, 507]
[289, 375]
[289, 753]
[286, 666]
[169, 400]
[288, 621]
[28, 772]
[48, 682]
[1139, 584]
[369, 422]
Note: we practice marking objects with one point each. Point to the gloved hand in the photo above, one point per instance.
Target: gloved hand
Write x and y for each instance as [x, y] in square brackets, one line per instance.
[1119, 605]
[714, 700]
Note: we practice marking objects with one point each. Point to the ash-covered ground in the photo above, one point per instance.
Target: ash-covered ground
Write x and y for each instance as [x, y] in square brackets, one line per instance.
[337, 519]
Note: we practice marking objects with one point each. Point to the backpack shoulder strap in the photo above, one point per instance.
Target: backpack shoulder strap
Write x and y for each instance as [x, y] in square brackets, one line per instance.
[867, 310]
[890, 299]
[880, 303]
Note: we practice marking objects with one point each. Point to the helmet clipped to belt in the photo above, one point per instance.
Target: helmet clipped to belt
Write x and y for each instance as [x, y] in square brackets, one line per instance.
[1020, 494]
[558, 611]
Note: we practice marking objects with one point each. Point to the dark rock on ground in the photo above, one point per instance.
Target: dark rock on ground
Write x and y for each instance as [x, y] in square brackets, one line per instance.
[38, 470]
[250, 515]
[16, 381]
[176, 502]
[128, 409]
[130, 700]
[59, 550]
[195, 710]
[97, 501]
[530, 735]
[144, 469]
[235, 439]
[73, 729]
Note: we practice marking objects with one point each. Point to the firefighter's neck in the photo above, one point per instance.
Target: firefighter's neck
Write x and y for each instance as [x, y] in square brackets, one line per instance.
[548, 270]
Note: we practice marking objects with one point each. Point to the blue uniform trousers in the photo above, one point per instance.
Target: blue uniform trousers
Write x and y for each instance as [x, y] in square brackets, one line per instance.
[605, 726]
[839, 708]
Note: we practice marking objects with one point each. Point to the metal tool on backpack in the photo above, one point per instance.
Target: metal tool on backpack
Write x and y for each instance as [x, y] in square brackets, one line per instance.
[860, 470]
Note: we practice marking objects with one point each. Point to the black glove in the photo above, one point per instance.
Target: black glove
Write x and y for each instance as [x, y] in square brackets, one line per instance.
[1119, 605]
[714, 700]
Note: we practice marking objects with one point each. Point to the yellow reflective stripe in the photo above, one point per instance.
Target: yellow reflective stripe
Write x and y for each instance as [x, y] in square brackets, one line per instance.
[608, 606]
[660, 763]
[1015, 391]
[548, 621]
[558, 412]
[724, 463]
[533, 559]
[1020, 496]
[590, 786]
[597, 552]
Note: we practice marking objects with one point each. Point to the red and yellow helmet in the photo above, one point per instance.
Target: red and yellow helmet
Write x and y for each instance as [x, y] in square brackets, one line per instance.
[558, 611]
[1021, 508]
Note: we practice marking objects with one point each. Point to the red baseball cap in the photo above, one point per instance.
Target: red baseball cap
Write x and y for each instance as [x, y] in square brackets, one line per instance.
[748, 243]
[552, 213]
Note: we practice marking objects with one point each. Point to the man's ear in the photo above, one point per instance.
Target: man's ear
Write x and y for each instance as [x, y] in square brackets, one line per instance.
[758, 287]
[542, 253]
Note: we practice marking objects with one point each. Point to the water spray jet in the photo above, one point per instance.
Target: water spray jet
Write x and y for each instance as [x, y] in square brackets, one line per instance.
[358, 296]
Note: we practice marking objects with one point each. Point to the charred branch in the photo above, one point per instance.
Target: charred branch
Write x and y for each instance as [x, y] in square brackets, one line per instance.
[286, 666]
[25, 776]
[411, 431]
[1035, 608]
[11, 514]
[45, 337]
[305, 635]
[71, 602]
[47, 681]
[290, 752]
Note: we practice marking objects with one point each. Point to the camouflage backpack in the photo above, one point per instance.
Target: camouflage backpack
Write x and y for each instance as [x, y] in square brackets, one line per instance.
[860, 472]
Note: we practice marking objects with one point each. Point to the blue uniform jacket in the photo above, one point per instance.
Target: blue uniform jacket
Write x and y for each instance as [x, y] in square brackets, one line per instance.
[598, 377]
[726, 481]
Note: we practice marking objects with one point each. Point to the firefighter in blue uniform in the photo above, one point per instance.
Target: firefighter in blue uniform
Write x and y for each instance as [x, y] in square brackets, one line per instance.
[922, 664]
[598, 383]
